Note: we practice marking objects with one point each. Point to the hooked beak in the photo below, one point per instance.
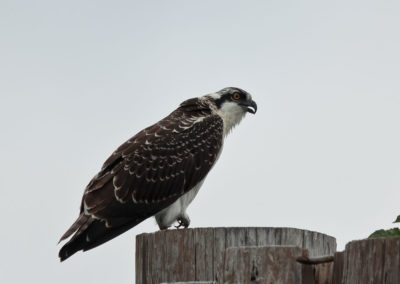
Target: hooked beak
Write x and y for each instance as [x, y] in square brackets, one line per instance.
[251, 106]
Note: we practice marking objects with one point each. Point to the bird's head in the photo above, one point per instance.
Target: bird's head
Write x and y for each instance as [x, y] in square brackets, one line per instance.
[232, 104]
[234, 100]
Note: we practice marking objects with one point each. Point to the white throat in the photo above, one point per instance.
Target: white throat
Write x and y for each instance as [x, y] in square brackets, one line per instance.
[231, 113]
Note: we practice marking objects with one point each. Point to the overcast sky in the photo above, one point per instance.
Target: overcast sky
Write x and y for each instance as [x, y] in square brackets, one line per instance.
[78, 78]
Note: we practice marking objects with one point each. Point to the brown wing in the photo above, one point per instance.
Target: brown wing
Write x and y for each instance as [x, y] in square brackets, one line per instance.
[157, 166]
[146, 174]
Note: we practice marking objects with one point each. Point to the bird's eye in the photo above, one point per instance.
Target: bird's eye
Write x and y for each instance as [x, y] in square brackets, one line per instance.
[236, 96]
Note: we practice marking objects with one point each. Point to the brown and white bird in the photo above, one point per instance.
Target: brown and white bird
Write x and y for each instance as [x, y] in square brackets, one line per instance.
[158, 171]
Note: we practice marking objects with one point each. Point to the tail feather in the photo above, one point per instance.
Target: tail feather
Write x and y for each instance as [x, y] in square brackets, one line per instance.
[90, 234]
[78, 226]
[70, 248]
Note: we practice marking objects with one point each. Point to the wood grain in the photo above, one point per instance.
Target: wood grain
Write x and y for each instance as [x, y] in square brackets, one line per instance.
[199, 254]
[372, 261]
[191, 282]
[269, 265]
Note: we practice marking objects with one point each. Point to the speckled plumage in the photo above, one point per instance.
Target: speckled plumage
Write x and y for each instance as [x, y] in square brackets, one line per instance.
[155, 173]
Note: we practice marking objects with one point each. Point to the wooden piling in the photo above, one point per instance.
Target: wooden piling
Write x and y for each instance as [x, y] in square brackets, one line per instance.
[371, 261]
[200, 254]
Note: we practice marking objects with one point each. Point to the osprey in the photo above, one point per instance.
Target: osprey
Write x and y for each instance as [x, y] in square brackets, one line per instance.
[158, 171]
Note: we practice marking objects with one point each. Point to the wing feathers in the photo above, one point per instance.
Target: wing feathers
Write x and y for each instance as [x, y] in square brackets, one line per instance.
[146, 174]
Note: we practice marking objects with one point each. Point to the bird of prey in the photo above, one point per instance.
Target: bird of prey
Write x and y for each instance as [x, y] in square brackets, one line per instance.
[158, 171]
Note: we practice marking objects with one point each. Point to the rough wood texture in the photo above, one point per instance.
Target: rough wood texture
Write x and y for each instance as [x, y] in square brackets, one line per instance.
[198, 254]
[308, 274]
[338, 268]
[269, 265]
[193, 282]
[316, 260]
[323, 273]
[317, 270]
[372, 261]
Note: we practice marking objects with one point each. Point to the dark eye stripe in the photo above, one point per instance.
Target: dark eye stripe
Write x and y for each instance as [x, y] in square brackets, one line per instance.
[230, 94]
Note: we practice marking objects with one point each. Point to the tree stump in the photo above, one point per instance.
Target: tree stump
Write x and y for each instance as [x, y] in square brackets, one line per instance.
[371, 261]
[199, 254]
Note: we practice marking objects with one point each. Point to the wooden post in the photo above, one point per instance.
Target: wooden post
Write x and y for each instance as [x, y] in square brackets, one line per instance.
[199, 254]
[273, 264]
[372, 261]
[338, 268]
[317, 270]
[192, 282]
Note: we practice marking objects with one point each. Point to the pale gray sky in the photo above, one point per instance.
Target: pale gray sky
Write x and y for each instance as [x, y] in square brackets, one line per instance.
[77, 78]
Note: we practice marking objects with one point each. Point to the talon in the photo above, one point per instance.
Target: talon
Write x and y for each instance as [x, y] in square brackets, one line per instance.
[183, 222]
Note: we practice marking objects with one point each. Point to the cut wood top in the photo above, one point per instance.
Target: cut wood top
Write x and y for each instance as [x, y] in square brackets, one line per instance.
[199, 254]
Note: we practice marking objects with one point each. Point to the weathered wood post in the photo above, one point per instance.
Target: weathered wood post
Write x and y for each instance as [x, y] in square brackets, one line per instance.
[370, 261]
[201, 254]
[268, 264]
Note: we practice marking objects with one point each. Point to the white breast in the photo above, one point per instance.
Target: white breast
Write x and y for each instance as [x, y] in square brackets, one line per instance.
[166, 217]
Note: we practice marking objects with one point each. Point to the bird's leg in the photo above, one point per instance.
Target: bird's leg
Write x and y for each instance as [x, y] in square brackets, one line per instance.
[183, 221]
